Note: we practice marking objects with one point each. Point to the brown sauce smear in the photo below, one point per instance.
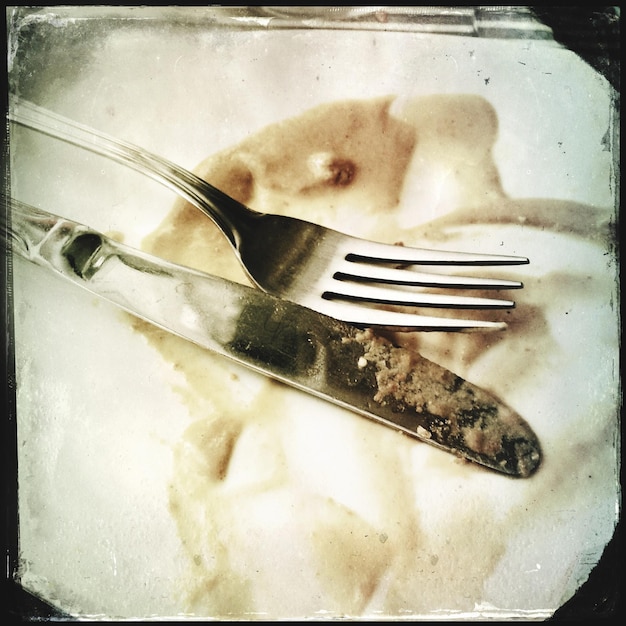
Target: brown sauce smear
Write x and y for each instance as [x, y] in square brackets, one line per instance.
[350, 165]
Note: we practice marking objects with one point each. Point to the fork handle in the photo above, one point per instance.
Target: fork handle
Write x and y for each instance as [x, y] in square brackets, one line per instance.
[232, 217]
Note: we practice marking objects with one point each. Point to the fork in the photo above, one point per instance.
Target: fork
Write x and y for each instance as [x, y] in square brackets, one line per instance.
[364, 283]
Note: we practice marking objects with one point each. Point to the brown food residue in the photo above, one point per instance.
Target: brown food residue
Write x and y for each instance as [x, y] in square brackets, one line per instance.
[244, 495]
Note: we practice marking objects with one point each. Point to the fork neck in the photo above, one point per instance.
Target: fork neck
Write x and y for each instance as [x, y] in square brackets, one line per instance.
[236, 220]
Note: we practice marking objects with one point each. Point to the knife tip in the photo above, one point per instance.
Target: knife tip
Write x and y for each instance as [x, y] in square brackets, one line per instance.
[526, 458]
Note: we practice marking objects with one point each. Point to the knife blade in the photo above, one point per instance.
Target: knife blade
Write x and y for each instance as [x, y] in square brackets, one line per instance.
[348, 366]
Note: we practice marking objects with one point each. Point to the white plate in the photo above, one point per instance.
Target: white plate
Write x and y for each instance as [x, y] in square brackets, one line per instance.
[123, 511]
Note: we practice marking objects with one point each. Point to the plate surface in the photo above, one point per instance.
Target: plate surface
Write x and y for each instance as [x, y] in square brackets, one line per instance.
[156, 480]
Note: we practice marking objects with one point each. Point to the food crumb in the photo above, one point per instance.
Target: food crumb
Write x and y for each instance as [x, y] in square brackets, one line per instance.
[422, 432]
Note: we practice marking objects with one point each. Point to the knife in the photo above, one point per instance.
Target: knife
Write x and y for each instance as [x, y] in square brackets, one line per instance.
[348, 366]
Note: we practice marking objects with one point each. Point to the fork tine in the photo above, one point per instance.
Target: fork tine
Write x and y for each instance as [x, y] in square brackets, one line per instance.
[374, 252]
[353, 270]
[359, 315]
[405, 297]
